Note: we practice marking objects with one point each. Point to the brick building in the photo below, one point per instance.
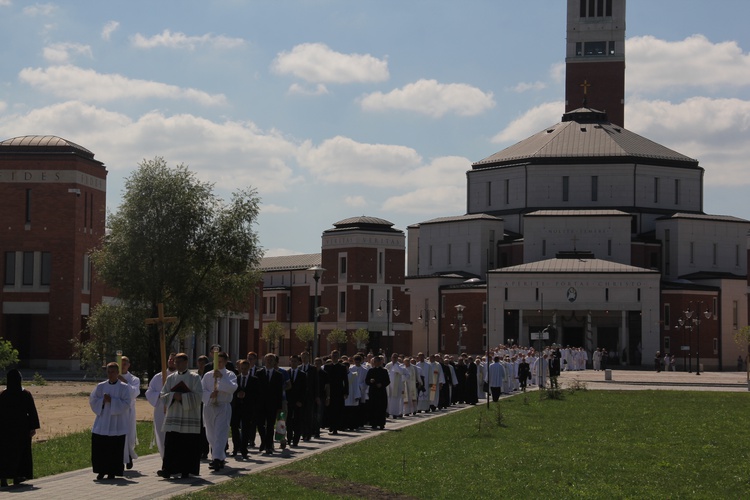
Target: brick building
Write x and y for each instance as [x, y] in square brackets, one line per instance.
[52, 211]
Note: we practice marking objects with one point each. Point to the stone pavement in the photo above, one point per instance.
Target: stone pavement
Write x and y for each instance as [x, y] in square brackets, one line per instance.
[143, 483]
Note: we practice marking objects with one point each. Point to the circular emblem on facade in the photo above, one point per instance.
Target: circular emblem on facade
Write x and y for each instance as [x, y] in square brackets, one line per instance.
[572, 294]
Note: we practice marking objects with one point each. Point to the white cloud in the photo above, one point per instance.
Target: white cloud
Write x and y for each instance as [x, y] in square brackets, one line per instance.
[432, 98]
[40, 9]
[531, 122]
[59, 53]
[317, 63]
[182, 41]
[109, 28]
[277, 209]
[433, 200]
[229, 154]
[6, 3]
[655, 65]
[319, 89]
[713, 131]
[3, 106]
[355, 201]
[526, 86]
[557, 72]
[72, 82]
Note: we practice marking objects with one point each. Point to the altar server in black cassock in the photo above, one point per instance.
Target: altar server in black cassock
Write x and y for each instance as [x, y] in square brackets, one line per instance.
[377, 381]
[18, 423]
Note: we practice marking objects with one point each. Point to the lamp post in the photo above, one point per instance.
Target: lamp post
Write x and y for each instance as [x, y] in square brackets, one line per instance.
[390, 306]
[689, 312]
[317, 273]
[459, 325]
[682, 326]
[427, 315]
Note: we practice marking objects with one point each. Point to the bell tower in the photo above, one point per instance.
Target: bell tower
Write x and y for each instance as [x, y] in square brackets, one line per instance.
[595, 57]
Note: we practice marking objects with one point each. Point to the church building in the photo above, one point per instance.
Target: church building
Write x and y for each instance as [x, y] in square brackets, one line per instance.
[584, 234]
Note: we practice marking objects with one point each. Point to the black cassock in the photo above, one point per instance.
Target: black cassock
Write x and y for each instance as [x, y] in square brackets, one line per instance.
[18, 417]
[378, 396]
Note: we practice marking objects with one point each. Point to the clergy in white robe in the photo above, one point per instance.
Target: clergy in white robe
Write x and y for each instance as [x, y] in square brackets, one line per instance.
[218, 388]
[423, 401]
[182, 395]
[481, 377]
[496, 378]
[131, 439]
[110, 402]
[411, 394]
[361, 371]
[153, 395]
[398, 376]
[434, 381]
[351, 403]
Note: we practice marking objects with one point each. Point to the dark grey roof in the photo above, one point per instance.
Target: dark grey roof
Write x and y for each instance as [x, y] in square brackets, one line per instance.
[364, 223]
[460, 218]
[290, 262]
[577, 213]
[43, 143]
[704, 217]
[581, 138]
[574, 266]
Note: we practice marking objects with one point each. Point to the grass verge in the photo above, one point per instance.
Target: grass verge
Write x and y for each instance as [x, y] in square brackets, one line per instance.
[591, 444]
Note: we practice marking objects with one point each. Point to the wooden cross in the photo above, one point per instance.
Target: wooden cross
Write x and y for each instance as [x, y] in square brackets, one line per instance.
[161, 321]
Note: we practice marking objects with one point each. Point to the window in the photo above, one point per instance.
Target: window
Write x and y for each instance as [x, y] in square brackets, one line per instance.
[342, 302]
[85, 209]
[10, 268]
[609, 248]
[380, 262]
[342, 266]
[606, 295]
[28, 268]
[735, 314]
[507, 191]
[716, 345]
[484, 313]
[737, 255]
[715, 253]
[667, 320]
[595, 48]
[639, 295]
[656, 190]
[667, 344]
[667, 251]
[716, 306]
[594, 188]
[544, 247]
[450, 251]
[677, 191]
[599, 8]
[579, 48]
[430, 255]
[468, 252]
[536, 293]
[489, 194]
[372, 301]
[692, 252]
[565, 187]
[272, 305]
[46, 276]
[506, 294]
[595, 8]
[28, 206]
[611, 45]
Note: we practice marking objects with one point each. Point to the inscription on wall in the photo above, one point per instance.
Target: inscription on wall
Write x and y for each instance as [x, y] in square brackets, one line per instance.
[53, 177]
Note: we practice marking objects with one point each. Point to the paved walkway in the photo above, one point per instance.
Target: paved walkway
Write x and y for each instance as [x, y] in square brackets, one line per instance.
[143, 483]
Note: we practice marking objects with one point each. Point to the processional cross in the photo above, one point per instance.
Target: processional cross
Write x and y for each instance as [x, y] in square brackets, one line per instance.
[161, 321]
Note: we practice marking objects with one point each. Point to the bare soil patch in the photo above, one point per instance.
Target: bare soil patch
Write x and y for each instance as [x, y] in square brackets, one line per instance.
[63, 408]
[336, 486]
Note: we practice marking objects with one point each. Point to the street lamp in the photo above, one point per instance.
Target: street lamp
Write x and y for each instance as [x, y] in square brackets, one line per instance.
[427, 315]
[681, 325]
[317, 273]
[388, 304]
[697, 321]
[459, 325]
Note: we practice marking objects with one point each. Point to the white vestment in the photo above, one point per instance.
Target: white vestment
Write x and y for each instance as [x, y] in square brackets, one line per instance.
[217, 413]
[398, 375]
[134, 383]
[153, 394]
[410, 392]
[113, 417]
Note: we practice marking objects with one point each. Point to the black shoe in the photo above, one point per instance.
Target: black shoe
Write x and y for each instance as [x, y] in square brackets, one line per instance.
[204, 456]
[185, 475]
[110, 476]
[335, 433]
[234, 453]
[163, 473]
[129, 465]
[99, 477]
[244, 456]
[3, 483]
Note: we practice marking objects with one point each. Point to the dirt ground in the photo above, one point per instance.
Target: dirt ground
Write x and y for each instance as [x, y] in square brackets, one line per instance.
[63, 408]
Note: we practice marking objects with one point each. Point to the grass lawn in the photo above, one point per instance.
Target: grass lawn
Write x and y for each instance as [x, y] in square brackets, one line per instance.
[73, 452]
[591, 444]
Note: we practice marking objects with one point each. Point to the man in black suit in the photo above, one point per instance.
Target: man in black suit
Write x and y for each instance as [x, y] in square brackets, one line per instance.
[338, 380]
[271, 396]
[243, 409]
[295, 401]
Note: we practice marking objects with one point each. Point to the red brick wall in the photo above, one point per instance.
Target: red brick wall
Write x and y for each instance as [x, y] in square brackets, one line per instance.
[606, 91]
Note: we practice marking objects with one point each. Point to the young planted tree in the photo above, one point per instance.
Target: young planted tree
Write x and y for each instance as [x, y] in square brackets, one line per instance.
[174, 241]
[8, 355]
[272, 333]
[305, 333]
[336, 337]
[361, 336]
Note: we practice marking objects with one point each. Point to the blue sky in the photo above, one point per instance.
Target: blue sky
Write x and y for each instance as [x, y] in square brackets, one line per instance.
[332, 109]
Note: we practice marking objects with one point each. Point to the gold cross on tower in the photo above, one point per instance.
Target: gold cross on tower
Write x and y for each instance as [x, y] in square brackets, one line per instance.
[585, 86]
[161, 321]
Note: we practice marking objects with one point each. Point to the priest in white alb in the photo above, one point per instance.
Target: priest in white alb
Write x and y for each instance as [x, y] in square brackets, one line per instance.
[110, 402]
[218, 388]
[398, 376]
[153, 395]
[134, 383]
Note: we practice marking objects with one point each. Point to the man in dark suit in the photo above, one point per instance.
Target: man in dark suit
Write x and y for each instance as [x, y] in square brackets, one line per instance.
[338, 380]
[271, 396]
[295, 401]
[243, 409]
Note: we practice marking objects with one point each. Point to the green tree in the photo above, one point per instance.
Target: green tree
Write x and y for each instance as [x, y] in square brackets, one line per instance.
[305, 333]
[361, 336]
[173, 241]
[337, 336]
[272, 333]
[742, 338]
[8, 355]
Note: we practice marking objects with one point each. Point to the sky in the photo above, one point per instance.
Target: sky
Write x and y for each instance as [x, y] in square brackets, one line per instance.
[331, 109]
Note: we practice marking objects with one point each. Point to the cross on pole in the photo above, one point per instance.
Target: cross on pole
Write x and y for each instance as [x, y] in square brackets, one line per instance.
[161, 321]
